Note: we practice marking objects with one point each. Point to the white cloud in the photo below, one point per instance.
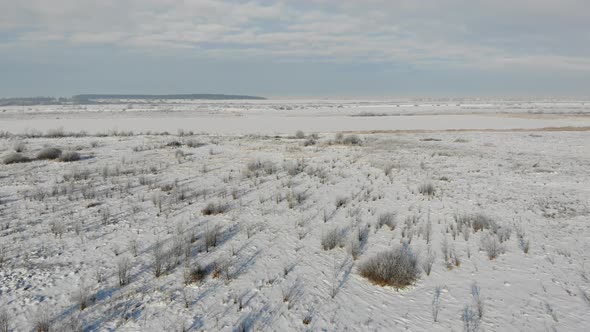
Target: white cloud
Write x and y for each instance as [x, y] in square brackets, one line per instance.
[485, 34]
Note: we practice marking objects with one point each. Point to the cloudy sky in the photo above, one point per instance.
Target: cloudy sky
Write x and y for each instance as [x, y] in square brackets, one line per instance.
[296, 47]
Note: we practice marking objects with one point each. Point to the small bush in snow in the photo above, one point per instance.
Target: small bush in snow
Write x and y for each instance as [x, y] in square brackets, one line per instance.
[477, 221]
[194, 144]
[426, 189]
[341, 201]
[331, 238]
[83, 297]
[4, 321]
[194, 274]
[309, 142]
[123, 267]
[159, 259]
[396, 267]
[69, 156]
[299, 134]
[523, 243]
[211, 237]
[388, 219]
[470, 319]
[352, 140]
[42, 321]
[428, 261]
[492, 245]
[19, 146]
[13, 158]
[480, 222]
[49, 153]
[215, 208]
[55, 133]
[477, 300]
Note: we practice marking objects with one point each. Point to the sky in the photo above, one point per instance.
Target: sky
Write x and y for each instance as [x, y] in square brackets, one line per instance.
[296, 48]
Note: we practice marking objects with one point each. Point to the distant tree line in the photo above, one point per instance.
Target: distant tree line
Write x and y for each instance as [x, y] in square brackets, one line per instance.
[114, 98]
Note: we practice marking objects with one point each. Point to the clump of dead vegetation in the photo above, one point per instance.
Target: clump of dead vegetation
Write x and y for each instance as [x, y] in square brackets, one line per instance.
[397, 267]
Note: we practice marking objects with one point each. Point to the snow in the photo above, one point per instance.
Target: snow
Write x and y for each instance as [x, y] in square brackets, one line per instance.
[286, 116]
[56, 233]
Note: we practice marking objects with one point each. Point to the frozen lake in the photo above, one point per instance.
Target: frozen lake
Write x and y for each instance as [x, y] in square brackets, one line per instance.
[282, 124]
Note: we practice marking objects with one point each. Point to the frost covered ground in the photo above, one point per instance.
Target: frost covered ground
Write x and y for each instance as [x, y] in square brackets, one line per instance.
[230, 232]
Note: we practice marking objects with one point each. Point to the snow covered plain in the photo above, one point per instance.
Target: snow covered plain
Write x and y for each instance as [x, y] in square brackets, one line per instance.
[81, 242]
[272, 117]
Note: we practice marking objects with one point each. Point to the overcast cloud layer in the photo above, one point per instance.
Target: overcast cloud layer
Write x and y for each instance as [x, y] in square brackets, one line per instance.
[305, 47]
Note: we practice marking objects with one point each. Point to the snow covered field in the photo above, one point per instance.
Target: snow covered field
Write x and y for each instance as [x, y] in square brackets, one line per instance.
[232, 232]
[286, 116]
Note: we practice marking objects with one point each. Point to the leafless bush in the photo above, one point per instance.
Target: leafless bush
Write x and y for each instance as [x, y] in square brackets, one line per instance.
[503, 233]
[331, 238]
[123, 267]
[4, 321]
[194, 144]
[309, 142]
[397, 267]
[159, 259]
[387, 218]
[211, 236]
[470, 319]
[18, 146]
[341, 201]
[57, 228]
[294, 167]
[300, 134]
[55, 133]
[42, 321]
[105, 215]
[194, 274]
[388, 169]
[297, 197]
[222, 269]
[2, 256]
[179, 155]
[354, 247]
[82, 297]
[134, 247]
[158, 201]
[480, 222]
[15, 157]
[428, 261]
[426, 189]
[477, 221]
[213, 208]
[77, 174]
[466, 231]
[446, 250]
[428, 232]
[289, 293]
[352, 140]
[523, 242]
[307, 317]
[477, 300]
[258, 167]
[69, 156]
[49, 153]
[492, 245]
